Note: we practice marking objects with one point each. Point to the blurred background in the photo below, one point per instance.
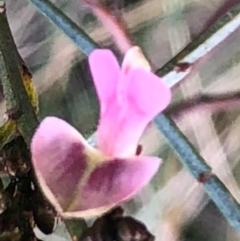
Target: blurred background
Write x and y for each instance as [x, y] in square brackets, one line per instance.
[174, 207]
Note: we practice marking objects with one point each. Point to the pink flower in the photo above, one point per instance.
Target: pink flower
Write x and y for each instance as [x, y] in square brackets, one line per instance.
[82, 181]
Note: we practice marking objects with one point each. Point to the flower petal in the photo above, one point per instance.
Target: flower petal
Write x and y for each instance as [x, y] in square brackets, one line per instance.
[111, 183]
[141, 96]
[105, 71]
[146, 92]
[135, 58]
[59, 157]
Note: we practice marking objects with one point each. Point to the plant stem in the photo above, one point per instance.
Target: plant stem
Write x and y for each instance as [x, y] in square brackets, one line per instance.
[200, 47]
[190, 158]
[77, 35]
[191, 54]
[197, 166]
[16, 97]
[113, 23]
[210, 102]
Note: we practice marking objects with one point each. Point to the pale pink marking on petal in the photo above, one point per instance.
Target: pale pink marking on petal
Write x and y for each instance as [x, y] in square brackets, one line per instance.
[58, 159]
[112, 183]
[143, 96]
[105, 72]
[135, 58]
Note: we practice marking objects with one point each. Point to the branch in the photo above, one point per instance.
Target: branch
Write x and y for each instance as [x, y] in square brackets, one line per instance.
[115, 24]
[197, 166]
[77, 35]
[213, 102]
[174, 71]
[22, 105]
[179, 67]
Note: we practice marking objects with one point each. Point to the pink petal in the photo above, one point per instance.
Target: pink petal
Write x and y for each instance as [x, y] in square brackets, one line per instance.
[77, 179]
[111, 183]
[59, 160]
[135, 58]
[146, 93]
[105, 71]
[141, 96]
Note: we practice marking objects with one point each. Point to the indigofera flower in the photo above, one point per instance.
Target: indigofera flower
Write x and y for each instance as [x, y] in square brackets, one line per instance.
[82, 181]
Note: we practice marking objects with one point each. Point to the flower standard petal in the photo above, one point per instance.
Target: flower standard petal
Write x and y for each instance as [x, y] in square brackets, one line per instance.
[135, 58]
[141, 96]
[105, 72]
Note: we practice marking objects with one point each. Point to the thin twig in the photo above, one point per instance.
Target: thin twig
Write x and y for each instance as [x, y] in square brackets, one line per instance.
[209, 102]
[113, 23]
[188, 155]
[199, 49]
[77, 35]
[174, 71]
[197, 166]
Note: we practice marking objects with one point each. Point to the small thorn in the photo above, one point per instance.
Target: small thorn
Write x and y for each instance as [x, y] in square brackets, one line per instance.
[182, 66]
[204, 177]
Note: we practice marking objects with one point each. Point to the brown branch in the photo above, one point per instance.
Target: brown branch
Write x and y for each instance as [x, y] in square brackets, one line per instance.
[113, 22]
[205, 102]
